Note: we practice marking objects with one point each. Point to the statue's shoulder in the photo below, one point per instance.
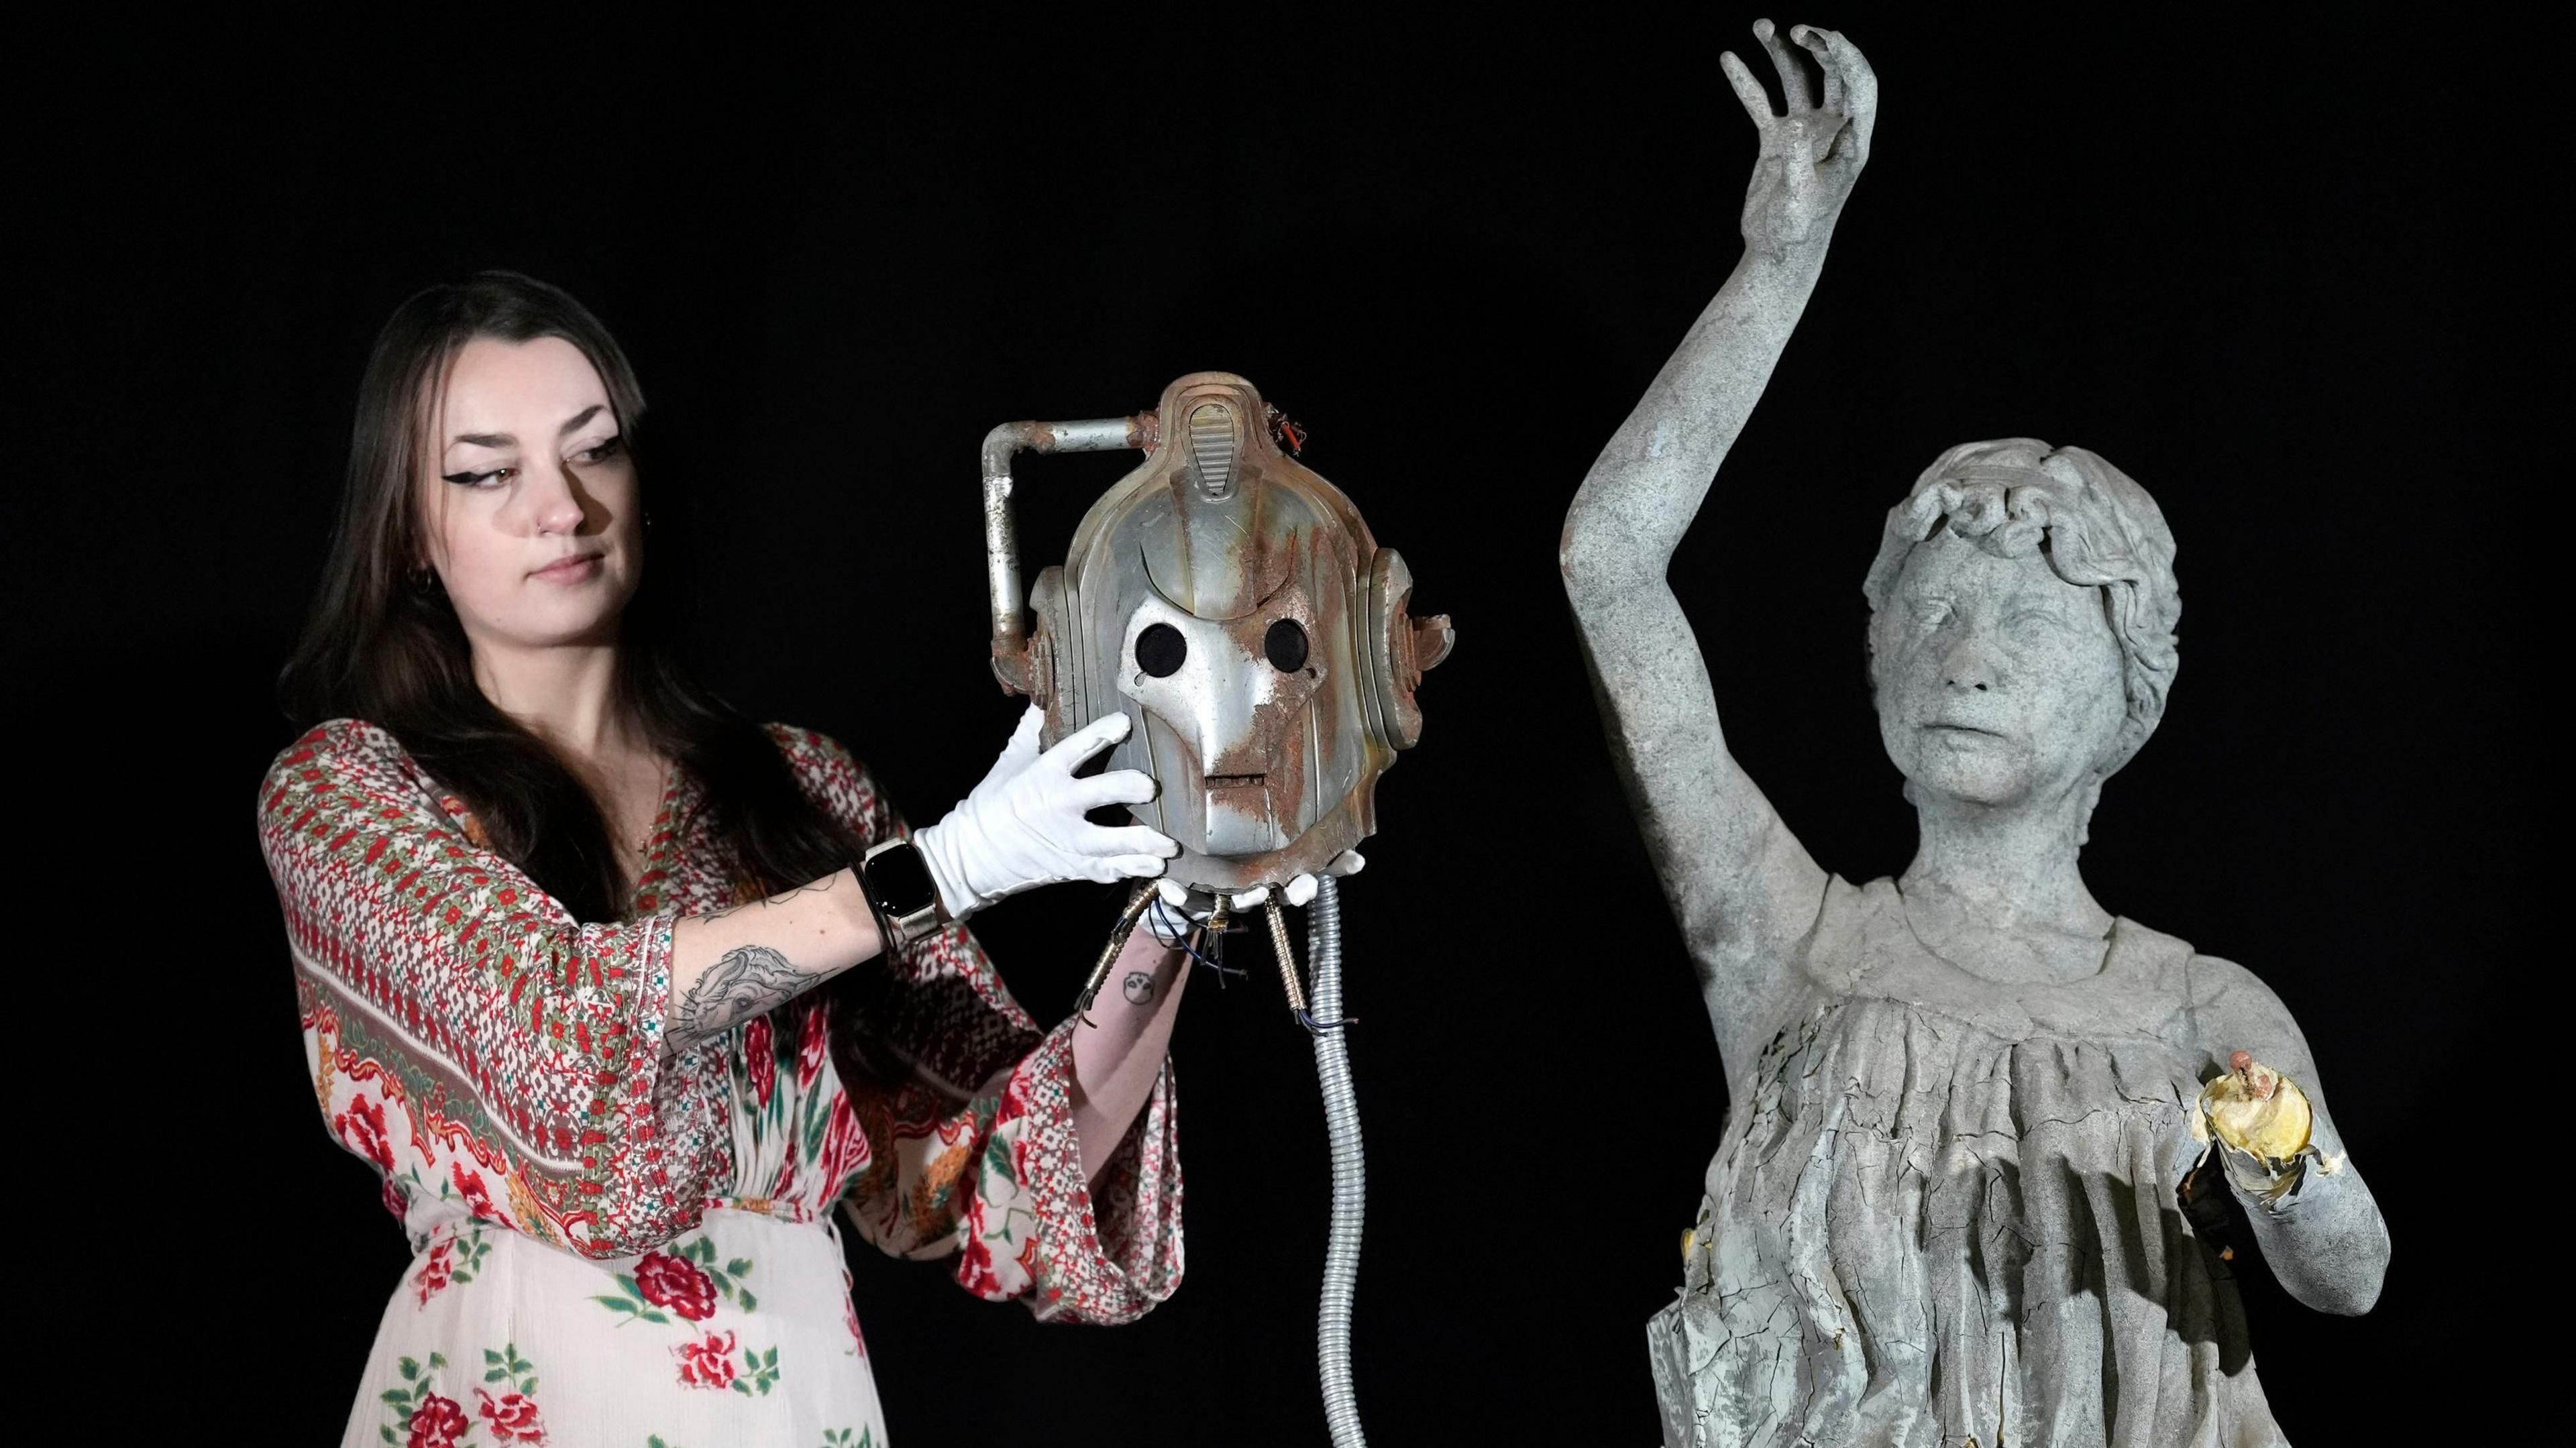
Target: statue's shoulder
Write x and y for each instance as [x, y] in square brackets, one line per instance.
[2217, 983]
[2141, 949]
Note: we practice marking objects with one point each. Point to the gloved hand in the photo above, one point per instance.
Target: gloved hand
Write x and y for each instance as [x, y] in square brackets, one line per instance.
[1023, 826]
[1171, 916]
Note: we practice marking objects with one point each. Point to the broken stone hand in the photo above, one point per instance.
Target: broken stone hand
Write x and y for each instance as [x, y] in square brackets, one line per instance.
[1812, 152]
[2262, 1123]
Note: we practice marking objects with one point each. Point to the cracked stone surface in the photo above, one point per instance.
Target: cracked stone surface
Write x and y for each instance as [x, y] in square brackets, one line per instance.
[1967, 1191]
[1945, 1210]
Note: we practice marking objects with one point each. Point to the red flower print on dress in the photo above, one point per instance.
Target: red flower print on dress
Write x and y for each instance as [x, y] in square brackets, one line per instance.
[437, 1423]
[813, 1046]
[786, 1169]
[845, 1144]
[678, 1284]
[707, 1363]
[1015, 1100]
[513, 1417]
[435, 1269]
[478, 1198]
[362, 1126]
[760, 1055]
[976, 1272]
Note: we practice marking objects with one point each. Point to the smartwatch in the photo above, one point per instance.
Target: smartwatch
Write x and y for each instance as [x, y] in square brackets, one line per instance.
[899, 889]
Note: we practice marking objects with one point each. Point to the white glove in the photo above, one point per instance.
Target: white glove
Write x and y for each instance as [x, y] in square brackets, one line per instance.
[1023, 826]
[1171, 918]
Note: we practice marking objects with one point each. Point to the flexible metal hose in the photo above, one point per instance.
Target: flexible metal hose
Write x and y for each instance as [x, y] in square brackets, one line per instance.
[1342, 1125]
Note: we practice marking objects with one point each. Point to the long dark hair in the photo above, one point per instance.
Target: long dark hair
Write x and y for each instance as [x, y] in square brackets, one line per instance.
[383, 643]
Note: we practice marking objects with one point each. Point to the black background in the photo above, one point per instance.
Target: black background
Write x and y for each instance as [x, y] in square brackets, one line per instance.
[2249, 266]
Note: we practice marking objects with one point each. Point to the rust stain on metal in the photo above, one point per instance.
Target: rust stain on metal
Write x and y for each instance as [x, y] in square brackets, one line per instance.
[1224, 539]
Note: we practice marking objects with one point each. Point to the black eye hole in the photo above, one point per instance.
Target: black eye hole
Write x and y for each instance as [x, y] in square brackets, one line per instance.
[1160, 650]
[1286, 645]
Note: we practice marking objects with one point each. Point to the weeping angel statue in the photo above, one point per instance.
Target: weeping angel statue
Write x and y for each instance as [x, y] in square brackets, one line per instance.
[1981, 1130]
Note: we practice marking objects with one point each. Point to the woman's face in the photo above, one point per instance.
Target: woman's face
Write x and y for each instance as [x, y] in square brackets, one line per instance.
[529, 507]
[1999, 683]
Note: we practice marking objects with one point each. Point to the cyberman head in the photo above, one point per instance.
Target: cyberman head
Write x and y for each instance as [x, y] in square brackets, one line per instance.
[1233, 604]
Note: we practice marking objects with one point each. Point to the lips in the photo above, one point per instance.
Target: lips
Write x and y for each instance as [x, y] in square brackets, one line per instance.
[571, 566]
[1954, 727]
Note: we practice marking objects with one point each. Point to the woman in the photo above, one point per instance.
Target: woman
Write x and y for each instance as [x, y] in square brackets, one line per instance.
[557, 917]
[1959, 1198]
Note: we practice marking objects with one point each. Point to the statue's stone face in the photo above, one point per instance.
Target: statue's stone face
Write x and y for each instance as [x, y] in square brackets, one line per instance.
[1998, 681]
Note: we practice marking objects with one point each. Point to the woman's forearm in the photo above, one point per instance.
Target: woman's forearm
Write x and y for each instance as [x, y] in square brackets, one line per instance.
[732, 965]
[1117, 1058]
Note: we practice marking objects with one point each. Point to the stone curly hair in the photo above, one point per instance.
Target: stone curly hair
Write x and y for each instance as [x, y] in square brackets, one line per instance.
[2093, 524]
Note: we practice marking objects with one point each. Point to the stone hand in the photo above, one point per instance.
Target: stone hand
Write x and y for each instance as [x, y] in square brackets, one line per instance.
[1023, 826]
[2263, 1120]
[1810, 155]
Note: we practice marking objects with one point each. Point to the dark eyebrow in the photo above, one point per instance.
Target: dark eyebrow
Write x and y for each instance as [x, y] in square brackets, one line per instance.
[503, 439]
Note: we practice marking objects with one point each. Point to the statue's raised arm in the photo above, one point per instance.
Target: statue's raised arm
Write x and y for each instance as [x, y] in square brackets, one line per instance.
[1742, 887]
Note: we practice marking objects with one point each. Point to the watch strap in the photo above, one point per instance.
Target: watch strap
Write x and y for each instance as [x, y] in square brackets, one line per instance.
[900, 922]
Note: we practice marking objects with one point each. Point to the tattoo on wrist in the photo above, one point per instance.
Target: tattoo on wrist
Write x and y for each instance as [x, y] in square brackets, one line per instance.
[1138, 987]
[741, 984]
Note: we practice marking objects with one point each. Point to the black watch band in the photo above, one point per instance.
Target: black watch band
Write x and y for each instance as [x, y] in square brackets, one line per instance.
[896, 880]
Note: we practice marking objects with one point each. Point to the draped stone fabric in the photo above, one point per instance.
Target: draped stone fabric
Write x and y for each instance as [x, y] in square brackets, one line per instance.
[1947, 1212]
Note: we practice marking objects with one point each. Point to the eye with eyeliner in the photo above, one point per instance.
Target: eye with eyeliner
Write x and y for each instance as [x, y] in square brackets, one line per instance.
[604, 450]
[474, 480]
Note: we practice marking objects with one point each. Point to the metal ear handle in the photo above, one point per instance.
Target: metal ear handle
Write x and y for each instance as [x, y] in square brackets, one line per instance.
[1001, 521]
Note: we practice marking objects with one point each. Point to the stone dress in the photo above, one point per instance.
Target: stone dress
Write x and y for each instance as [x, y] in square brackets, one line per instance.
[620, 1248]
[1948, 1211]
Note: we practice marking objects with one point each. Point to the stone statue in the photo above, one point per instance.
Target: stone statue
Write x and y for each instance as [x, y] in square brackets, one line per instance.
[1980, 1128]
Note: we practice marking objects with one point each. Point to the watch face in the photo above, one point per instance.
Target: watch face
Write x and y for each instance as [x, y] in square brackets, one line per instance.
[899, 882]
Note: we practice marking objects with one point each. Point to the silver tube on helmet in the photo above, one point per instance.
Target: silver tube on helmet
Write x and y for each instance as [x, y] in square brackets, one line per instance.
[1350, 1187]
[1001, 522]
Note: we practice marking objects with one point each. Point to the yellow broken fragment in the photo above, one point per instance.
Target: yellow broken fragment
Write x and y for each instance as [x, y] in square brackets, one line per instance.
[2271, 1127]
[2263, 1121]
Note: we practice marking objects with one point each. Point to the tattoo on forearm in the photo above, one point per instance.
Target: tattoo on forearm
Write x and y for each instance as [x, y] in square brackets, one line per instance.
[1138, 986]
[741, 984]
[781, 898]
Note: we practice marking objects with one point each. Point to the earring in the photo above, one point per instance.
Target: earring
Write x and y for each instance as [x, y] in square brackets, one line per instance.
[423, 581]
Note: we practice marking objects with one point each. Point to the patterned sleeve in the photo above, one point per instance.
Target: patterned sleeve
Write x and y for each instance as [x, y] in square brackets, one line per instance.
[469, 1037]
[974, 1151]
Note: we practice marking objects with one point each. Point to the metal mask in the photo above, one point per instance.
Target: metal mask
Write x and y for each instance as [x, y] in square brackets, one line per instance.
[1236, 608]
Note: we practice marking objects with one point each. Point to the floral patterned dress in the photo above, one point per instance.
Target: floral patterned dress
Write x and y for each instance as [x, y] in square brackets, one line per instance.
[612, 1248]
